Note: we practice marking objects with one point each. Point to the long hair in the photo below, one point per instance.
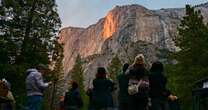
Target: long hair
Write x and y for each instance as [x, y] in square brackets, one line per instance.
[74, 85]
[157, 67]
[101, 72]
[139, 61]
[125, 67]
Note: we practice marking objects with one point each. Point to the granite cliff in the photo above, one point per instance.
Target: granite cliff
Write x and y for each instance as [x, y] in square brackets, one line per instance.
[125, 31]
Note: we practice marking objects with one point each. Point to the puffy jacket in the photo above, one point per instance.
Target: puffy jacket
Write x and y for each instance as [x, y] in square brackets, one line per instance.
[34, 83]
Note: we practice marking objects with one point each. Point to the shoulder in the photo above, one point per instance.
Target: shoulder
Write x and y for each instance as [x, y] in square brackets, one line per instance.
[75, 92]
[31, 72]
[95, 80]
[157, 74]
[37, 74]
[131, 67]
[119, 76]
[109, 81]
[146, 72]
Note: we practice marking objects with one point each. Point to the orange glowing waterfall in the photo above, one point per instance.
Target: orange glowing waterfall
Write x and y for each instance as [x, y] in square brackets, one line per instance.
[109, 26]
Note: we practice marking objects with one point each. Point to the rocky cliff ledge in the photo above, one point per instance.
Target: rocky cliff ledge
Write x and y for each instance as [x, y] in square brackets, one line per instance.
[125, 31]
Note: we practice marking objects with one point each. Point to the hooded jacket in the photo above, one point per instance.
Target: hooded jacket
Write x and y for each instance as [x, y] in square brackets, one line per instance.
[34, 83]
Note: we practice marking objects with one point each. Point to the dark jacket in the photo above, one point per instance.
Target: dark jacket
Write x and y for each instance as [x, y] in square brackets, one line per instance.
[137, 72]
[158, 83]
[102, 97]
[73, 100]
[123, 88]
[138, 101]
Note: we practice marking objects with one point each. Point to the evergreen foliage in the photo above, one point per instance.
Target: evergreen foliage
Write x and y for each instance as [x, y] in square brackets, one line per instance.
[57, 75]
[77, 75]
[192, 58]
[27, 33]
[114, 68]
[77, 72]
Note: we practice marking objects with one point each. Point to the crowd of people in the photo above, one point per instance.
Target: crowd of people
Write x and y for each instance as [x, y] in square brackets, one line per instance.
[137, 89]
[35, 87]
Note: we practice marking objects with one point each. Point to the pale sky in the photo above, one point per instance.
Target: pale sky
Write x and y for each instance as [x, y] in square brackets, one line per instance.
[82, 13]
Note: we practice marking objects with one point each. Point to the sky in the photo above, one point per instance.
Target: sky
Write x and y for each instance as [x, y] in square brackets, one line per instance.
[82, 13]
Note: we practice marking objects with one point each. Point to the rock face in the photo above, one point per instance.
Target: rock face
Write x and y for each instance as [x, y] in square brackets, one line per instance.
[125, 31]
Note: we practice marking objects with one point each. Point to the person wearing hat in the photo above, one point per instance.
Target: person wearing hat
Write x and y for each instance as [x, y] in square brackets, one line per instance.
[138, 84]
[35, 86]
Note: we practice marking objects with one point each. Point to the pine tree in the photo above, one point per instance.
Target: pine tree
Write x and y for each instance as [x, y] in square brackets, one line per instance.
[31, 26]
[58, 74]
[192, 58]
[7, 45]
[57, 59]
[77, 72]
[192, 39]
[77, 75]
[27, 32]
[114, 68]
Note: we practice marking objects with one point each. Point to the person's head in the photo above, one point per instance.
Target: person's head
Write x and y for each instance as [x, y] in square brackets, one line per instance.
[42, 68]
[125, 67]
[74, 85]
[157, 67]
[7, 84]
[101, 72]
[61, 98]
[139, 60]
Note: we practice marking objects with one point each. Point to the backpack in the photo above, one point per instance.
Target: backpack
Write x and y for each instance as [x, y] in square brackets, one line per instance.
[72, 99]
[138, 80]
[136, 86]
[133, 87]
